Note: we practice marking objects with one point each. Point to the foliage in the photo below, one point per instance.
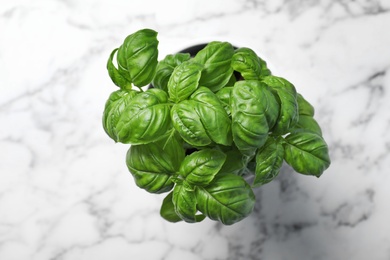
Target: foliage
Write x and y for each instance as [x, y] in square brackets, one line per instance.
[206, 122]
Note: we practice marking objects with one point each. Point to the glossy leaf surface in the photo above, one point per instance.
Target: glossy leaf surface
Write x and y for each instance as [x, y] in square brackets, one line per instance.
[254, 112]
[214, 117]
[115, 105]
[305, 108]
[228, 199]
[200, 168]
[265, 71]
[216, 58]
[247, 63]
[184, 201]
[165, 68]
[146, 118]
[224, 96]
[269, 160]
[153, 165]
[307, 124]
[167, 210]
[137, 57]
[287, 96]
[188, 124]
[115, 76]
[184, 81]
[307, 153]
[202, 119]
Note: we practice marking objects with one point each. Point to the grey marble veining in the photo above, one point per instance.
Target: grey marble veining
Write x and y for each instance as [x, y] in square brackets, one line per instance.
[65, 192]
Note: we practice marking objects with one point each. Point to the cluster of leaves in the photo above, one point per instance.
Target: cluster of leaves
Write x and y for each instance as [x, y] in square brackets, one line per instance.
[208, 121]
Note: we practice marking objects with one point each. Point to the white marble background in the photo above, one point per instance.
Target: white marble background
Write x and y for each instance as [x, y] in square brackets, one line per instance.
[65, 192]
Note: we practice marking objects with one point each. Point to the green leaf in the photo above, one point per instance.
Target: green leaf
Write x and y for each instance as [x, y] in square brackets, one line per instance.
[228, 199]
[269, 160]
[254, 112]
[165, 68]
[235, 161]
[287, 96]
[115, 76]
[307, 153]
[202, 119]
[264, 69]
[247, 63]
[307, 124]
[115, 105]
[184, 201]
[213, 116]
[153, 165]
[167, 210]
[305, 108]
[216, 58]
[184, 81]
[231, 81]
[224, 96]
[200, 168]
[146, 118]
[137, 57]
[188, 124]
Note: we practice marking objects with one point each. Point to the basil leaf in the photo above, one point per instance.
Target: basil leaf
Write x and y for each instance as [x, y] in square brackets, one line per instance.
[200, 168]
[115, 105]
[146, 118]
[235, 161]
[269, 160]
[188, 124]
[305, 108]
[307, 153]
[202, 119]
[231, 81]
[115, 76]
[247, 63]
[167, 210]
[228, 199]
[213, 116]
[254, 112]
[264, 69]
[216, 58]
[184, 201]
[184, 81]
[165, 68]
[137, 57]
[307, 124]
[153, 165]
[287, 96]
[224, 96]
[306, 121]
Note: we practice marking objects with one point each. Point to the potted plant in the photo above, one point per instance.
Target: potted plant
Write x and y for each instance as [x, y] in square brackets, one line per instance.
[208, 122]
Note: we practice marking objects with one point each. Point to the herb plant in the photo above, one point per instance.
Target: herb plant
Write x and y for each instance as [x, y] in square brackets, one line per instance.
[208, 122]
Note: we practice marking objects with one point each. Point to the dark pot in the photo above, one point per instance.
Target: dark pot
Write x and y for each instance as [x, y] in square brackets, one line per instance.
[193, 50]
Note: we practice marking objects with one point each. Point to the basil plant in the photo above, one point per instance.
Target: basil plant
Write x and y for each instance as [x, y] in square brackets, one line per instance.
[199, 125]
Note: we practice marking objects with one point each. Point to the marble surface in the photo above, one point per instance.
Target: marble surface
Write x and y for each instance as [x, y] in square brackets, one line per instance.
[65, 192]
